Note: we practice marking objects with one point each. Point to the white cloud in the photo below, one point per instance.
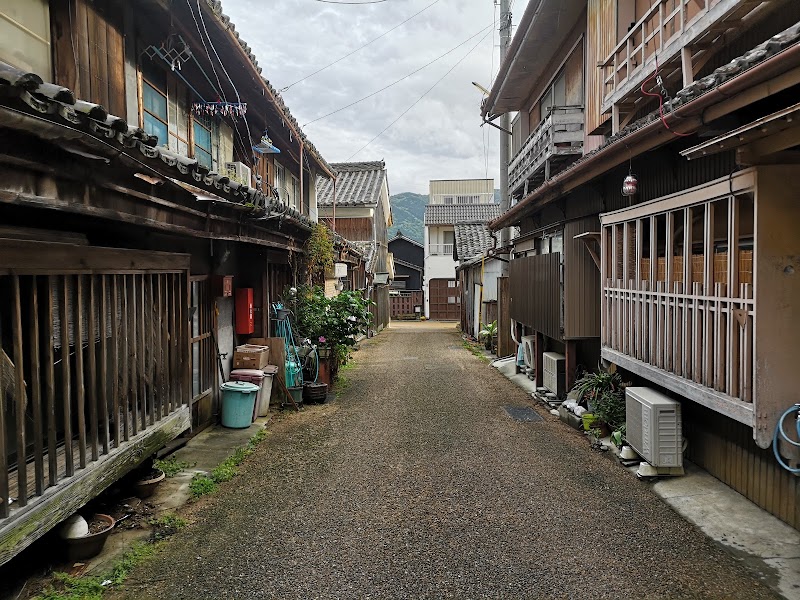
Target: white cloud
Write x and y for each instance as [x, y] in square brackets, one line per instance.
[439, 138]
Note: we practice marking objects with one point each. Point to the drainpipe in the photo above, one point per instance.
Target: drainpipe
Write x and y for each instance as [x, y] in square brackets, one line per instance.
[334, 204]
[302, 201]
[505, 123]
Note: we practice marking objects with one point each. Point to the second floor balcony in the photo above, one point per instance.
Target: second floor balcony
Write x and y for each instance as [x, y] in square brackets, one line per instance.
[440, 249]
[556, 142]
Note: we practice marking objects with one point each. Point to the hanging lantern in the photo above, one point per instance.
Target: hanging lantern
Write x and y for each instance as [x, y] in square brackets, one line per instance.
[630, 185]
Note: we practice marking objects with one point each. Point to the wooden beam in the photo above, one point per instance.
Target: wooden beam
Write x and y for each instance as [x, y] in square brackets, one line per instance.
[25, 526]
[686, 66]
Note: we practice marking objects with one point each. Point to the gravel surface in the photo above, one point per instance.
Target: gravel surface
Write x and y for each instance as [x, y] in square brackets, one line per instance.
[416, 483]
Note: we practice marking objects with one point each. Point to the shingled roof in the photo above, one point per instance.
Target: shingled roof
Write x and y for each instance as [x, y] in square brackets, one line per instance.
[472, 239]
[357, 184]
[449, 214]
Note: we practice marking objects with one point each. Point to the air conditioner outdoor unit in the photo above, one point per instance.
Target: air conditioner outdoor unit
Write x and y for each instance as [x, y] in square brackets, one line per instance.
[528, 350]
[653, 429]
[238, 172]
[553, 378]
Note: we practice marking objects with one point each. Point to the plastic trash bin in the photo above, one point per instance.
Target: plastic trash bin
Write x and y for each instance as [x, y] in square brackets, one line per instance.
[238, 402]
[263, 379]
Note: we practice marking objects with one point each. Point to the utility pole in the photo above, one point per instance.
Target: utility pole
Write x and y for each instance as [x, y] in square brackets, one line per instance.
[505, 123]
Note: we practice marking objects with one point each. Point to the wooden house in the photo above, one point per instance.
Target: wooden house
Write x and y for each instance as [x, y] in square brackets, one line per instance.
[133, 208]
[406, 288]
[355, 205]
[679, 212]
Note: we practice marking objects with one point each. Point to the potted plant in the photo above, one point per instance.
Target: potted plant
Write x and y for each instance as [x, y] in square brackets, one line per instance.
[603, 394]
[488, 334]
[85, 538]
[146, 485]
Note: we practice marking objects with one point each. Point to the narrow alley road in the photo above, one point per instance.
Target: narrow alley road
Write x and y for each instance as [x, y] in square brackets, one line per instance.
[415, 483]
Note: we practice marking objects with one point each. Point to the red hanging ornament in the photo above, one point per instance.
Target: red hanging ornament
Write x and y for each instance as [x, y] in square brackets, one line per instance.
[630, 185]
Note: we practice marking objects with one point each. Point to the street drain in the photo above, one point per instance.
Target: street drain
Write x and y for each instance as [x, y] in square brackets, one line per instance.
[524, 414]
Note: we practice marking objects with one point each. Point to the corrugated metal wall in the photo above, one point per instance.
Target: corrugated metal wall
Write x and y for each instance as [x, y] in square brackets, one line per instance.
[535, 283]
[600, 37]
[725, 448]
[581, 283]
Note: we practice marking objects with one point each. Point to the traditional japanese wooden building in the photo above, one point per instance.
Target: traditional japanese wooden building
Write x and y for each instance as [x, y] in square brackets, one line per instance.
[139, 191]
[661, 238]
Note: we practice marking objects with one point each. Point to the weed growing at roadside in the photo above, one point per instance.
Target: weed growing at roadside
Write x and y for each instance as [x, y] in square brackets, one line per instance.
[205, 484]
[167, 525]
[171, 466]
[476, 351]
[67, 587]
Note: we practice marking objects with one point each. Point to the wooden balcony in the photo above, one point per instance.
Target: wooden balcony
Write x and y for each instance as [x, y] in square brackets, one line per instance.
[681, 35]
[94, 378]
[680, 305]
[555, 143]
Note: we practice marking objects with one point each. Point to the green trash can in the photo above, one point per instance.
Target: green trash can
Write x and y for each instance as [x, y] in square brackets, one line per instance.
[238, 404]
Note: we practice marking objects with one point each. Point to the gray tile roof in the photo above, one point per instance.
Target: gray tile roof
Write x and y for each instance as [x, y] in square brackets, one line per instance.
[357, 184]
[449, 214]
[472, 239]
[53, 112]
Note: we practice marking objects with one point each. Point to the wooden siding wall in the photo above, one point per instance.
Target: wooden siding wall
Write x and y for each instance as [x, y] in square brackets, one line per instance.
[505, 345]
[357, 229]
[600, 41]
[89, 58]
[725, 448]
[581, 283]
[535, 283]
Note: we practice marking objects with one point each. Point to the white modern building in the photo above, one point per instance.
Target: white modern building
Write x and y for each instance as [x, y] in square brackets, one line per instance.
[451, 202]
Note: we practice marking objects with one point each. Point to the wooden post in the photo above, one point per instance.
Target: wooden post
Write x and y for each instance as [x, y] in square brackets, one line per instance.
[20, 398]
[66, 391]
[539, 359]
[104, 379]
[80, 390]
[93, 383]
[50, 391]
[36, 390]
[571, 356]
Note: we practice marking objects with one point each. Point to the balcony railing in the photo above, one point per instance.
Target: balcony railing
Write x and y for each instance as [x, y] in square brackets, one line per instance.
[679, 32]
[558, 140]
[441, 249]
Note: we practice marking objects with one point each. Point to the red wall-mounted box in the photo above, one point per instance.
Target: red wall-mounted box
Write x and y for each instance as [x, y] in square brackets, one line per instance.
[245, 318]
[222, 286]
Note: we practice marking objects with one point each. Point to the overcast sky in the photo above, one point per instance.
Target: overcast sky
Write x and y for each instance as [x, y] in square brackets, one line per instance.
[440, 137]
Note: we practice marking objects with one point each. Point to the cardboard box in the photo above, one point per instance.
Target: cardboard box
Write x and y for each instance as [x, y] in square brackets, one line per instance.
[250, 356]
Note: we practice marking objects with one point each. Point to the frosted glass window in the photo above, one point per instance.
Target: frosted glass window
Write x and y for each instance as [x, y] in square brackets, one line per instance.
[25, 36]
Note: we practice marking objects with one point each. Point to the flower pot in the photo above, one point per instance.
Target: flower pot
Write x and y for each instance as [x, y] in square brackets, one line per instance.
[324, 352]
[146, 486]
[87, 546]
[297, 394]
[282, 313]
[315, 393]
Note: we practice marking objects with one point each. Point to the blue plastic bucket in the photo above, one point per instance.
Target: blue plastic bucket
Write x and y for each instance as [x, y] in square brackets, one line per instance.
[238, 403]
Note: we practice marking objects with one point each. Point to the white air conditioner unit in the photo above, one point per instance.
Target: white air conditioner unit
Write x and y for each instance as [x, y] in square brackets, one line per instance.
[653, 429]
[238, 172]
[553, 378]
[529, 350]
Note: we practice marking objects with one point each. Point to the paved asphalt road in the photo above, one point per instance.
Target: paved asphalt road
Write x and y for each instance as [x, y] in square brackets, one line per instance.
[415, 483]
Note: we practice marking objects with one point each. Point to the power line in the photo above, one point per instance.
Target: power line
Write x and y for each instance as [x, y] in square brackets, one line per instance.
[355, 3]
[375, 93]
[430, 89]
[338, 60]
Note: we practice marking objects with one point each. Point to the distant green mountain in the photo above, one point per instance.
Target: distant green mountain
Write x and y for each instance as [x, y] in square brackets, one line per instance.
[408, 211]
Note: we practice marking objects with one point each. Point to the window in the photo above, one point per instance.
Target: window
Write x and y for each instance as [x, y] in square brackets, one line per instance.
[25, 36]
[295, 191]
[448, 199]
[155, 113]
[280, 177]
[202, 143]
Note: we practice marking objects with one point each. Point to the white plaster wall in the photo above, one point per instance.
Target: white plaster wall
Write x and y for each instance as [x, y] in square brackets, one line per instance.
[225, 333]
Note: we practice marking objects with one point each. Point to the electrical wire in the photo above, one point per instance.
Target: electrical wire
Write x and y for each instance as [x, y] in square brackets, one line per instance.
[430, 89]
[338, 60]
[220, 91]
[394, 83]
[233, 85]
[352, 3]
[660, 97]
